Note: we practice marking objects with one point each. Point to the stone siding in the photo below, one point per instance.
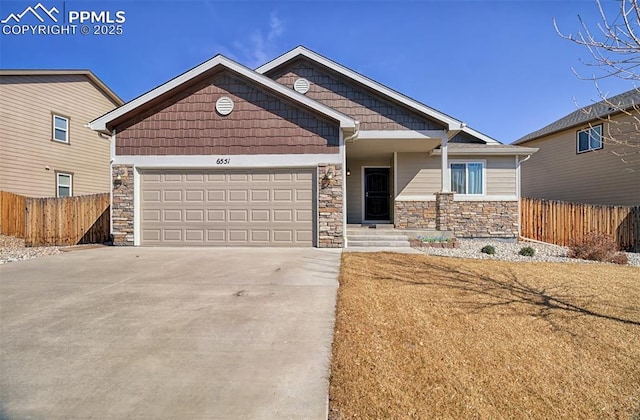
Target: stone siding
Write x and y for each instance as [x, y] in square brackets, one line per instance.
[484, 219]
[330, 211]
[466, 219]
[260, 123]
[122, 205]
[415, 214]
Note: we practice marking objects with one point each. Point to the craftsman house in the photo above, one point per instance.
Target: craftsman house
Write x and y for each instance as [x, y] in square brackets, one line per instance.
[290, 153]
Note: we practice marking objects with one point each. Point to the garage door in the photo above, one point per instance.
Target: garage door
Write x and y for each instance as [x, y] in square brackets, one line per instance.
[231, 208]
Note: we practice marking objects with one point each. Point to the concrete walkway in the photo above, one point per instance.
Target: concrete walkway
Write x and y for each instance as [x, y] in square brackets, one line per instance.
[148, 333]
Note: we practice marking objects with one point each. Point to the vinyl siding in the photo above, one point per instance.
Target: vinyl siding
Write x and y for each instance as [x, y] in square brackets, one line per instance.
[419, 174]
[354, 185]
[26, 132]
[557, 172]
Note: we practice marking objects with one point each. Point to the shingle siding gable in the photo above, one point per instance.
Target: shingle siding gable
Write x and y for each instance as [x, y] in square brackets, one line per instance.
[373, 111]
[187, 124]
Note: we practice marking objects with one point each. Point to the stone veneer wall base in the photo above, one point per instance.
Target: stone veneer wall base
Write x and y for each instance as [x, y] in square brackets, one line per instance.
[466, 219]
[122, 205]
[330, 214]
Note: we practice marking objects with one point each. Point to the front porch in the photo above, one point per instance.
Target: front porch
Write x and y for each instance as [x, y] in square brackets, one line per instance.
[402, 181]
[385, 170]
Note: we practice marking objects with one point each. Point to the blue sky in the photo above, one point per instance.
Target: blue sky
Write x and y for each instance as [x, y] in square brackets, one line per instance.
[497, 65]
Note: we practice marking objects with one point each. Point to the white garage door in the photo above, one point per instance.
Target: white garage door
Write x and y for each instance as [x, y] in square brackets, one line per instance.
[270, 207]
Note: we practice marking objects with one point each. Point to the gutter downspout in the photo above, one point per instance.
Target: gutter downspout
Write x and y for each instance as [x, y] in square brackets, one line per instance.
[352, 138]
[519, 162]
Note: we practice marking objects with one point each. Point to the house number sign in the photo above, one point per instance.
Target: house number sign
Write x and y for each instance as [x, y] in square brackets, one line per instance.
[223, 161]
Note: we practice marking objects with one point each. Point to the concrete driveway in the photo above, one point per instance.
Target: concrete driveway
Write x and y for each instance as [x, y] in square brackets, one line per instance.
[154, 333]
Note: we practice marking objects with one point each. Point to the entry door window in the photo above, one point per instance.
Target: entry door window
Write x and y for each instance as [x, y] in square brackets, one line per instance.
[376, 194]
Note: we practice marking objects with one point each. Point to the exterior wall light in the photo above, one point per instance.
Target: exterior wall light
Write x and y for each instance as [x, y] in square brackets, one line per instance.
[118, 181]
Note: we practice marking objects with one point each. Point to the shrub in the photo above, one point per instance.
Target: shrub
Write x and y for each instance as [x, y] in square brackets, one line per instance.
[527, 251]
[619, 258]
[488, 249]
[597, 247]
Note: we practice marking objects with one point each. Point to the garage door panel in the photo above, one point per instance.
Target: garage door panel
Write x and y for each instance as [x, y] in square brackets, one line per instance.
[260, 177]
[239, 215]
[239, 195]
[260, 196]
[260, 215]
[172, 235]
[172, 195]
[304, 216]
[217, 195]
[151, 196]
[216, 215]
[194, 215]
[172, 177]
[191, 177]
[194, 196]
[234, 208]
[304, 177]
[194, 235]
[151, 234]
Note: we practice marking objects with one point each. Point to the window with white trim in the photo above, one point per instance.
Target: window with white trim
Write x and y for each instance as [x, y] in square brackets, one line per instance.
[589, 139]
[60, 129]
[64, 185]
[467, 177]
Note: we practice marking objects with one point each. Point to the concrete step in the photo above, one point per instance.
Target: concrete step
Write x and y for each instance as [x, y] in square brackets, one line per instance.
[375, 232]
[381, 244]
[371, 237]
[371, 226]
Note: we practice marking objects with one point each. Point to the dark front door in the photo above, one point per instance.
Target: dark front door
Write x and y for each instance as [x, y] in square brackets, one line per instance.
[376, 193]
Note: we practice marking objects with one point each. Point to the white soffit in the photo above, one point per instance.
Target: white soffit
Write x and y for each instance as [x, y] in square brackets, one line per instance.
[486, 150]
[400, 134]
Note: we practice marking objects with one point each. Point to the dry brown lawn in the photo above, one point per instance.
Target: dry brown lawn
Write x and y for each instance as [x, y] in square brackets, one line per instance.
[431, 337]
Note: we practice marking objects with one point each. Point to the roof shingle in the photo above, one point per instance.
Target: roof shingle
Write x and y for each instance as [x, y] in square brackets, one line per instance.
[588, 113]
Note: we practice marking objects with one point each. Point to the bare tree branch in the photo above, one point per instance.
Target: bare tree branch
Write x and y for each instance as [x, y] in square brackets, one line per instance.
[615, 52]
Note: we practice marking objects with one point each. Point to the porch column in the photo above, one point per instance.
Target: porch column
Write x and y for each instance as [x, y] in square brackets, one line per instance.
[445, 165]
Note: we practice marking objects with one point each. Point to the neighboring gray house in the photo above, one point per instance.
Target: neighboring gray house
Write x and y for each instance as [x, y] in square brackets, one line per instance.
[289, 153]
[46, 149]
[589, 156]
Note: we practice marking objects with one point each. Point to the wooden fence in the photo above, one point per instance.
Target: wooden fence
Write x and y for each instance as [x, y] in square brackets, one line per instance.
[12, 214]
[56, 221]
[560, 222]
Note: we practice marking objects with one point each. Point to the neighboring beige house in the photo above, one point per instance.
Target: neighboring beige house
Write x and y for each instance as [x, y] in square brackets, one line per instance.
[590, 156]
[46, 148]
[290, 153]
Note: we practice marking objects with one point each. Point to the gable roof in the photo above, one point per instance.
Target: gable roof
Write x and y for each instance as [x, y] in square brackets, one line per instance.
[602, 109]
[88, 73]
[300, 51]
[219, 61]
